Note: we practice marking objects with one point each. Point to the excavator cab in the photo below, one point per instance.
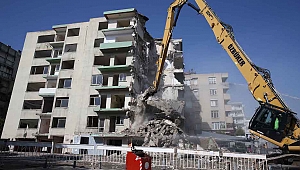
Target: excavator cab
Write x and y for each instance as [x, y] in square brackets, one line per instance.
[273, 122]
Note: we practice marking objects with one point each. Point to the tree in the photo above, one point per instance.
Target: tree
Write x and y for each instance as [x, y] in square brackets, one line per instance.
[239, 132]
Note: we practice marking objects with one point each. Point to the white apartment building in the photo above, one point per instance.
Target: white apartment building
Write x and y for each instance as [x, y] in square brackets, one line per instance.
[80, 78]
[207, 102]
[237, 113]
[77, 81]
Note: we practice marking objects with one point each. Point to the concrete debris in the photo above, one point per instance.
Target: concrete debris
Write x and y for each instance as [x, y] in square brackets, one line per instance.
[162, 133]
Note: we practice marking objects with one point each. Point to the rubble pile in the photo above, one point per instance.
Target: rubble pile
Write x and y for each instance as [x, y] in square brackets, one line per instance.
[158, 122]
[162, 133]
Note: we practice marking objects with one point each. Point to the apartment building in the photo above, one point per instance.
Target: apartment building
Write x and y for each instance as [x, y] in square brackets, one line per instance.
[207, 100]
[237, 113]
[9, 62]
[76, 81]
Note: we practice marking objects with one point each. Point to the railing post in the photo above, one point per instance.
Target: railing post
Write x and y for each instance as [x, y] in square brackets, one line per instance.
[52, 147]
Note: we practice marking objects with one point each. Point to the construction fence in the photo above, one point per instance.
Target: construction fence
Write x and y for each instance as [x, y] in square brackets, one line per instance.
[47, 154]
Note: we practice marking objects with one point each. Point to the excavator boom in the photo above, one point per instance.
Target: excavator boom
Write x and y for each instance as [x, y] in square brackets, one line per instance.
[273, 112]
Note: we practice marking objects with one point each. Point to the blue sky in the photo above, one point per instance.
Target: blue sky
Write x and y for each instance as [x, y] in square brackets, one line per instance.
[267, 31]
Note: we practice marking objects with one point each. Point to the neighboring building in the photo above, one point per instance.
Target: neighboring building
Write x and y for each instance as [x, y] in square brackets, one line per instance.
[246, 128]
[9, 62]
[237, 114]
[78, 79]
[208, 102]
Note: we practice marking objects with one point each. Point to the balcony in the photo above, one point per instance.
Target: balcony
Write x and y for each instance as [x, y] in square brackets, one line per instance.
[123, 13]
[225, 85]
[239, 122]
[57, 131]
[226, 97]
[115, 68]
[117, 31]
[227, 107]
[26, 133]
[108, 110]
[47, 92]
[43, 46]
[54, 60]
[240, 115]
[57, 44]
[50, 77]
[115, 46]
[109, 88]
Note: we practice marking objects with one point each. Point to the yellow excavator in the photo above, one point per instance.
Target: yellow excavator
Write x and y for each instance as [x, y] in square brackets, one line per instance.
[273, 120]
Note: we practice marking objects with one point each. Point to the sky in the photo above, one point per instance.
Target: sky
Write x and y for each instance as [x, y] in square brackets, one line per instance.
[266, 30]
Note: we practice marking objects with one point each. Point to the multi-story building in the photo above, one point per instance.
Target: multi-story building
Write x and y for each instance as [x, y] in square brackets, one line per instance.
[79, 79]
[209, 102]
[237, 114]
[9, 62]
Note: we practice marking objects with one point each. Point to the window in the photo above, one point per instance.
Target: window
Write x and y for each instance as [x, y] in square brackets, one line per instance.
[212, 80]
[102, 25]
[94, 100]
[73, 32]
[32, 104]
[97, 79]
[45, 70]
[214, 103]
[92, 121]
[70, 47]
[42, 53]
[64, 83]
[119, 120]
[57, 53]
[68, 64]
[39, 70]
[35, 86]
[58, 122]
[28, 123]
[98, 41]
[62, 102]
[101, 124]
[216, 125]
[122, 77]
[213, 92]
[214, 113]
[102, 60]
[45, 38]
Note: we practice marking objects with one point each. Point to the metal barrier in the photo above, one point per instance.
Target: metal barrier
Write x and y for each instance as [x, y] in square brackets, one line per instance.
[50, 154]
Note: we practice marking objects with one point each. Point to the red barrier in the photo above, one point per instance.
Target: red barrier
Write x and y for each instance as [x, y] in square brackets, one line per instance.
[138, 160]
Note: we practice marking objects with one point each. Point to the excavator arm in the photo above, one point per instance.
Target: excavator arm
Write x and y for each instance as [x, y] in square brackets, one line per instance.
[272, 107]
[173, 13]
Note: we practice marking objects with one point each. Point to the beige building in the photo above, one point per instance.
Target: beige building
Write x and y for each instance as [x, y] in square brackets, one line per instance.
[207, 100]
[77, 81]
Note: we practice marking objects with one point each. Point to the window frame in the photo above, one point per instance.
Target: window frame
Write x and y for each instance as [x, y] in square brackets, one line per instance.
[94, 98]
[120, 120]
[212, 80]
[214, 114]
[97, 76]
[213, 92]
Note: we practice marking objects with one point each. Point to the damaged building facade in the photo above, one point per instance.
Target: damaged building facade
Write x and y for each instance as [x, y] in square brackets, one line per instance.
[77, 82]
